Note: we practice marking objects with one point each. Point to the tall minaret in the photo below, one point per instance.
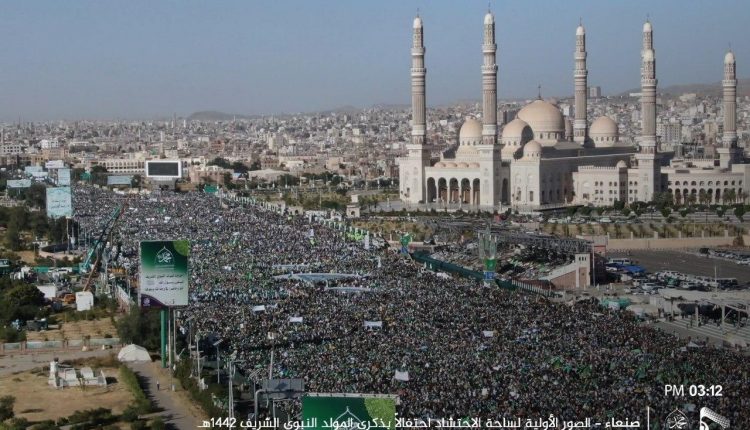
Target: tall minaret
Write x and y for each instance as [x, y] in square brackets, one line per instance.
[489, 82]
[418, 72]
[648, 92]
[412, 167]
[728, 153]
[580, 75]
[649, 176]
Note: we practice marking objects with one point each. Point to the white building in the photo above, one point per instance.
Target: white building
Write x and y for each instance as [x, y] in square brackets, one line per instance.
[544, 159]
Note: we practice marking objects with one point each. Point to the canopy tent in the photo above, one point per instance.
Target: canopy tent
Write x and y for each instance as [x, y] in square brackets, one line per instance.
[133, 353]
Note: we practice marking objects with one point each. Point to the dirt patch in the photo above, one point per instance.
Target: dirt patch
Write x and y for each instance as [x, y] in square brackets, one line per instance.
[37, 401]
[28, 257]
[76, 330]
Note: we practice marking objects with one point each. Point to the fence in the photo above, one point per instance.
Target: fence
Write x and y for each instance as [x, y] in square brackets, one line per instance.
[38, 345]
[435, 264]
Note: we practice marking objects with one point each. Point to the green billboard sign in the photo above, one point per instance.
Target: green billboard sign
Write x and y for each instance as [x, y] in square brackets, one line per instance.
[349, 411]
[164, 273]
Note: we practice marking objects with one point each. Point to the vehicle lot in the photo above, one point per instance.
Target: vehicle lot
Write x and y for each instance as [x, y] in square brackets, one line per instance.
[687, 262]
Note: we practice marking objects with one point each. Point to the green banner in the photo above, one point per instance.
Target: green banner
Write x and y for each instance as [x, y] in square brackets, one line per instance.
[210, 189]
[490, 264]
[324, 412]
[164, 273]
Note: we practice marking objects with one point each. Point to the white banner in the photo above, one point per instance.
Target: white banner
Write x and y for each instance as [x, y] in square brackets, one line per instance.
[373, 324]
[295, 319]
[488, 333]
[401, 376]
[259, 308]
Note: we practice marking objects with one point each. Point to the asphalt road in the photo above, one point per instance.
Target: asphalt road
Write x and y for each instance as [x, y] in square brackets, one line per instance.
[687, 262]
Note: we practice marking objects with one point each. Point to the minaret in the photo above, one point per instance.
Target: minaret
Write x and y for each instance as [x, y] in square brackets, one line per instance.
[412, 167]
[489, 82]
[580, 75]
[728, 153]
[418, 72]
[649, 171]
[648, 92]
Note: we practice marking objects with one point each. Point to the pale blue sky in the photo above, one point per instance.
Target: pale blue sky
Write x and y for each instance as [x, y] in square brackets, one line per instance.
[146, 58]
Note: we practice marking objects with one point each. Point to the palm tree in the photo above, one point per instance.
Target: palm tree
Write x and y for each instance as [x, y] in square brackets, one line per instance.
[702, 196]
[731, 195]
[742, 196]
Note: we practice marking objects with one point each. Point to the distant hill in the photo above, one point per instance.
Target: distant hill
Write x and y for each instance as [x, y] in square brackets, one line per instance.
[712, 89]
[212, 115]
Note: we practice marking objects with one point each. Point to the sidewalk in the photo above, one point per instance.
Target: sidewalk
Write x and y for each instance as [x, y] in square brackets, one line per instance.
[178, 411]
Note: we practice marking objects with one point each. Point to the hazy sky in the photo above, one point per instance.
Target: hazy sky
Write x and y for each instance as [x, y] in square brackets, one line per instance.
[140, 59]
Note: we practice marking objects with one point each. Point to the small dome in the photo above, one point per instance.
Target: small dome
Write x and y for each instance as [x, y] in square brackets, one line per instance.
[514, 129]
[603, 126]
[542, 117]
[474, 165]
[622, 164]
[580, 31]
[533, 149]
[440, 164]
[647, 27]
[729, 58]
[489, 19]
[417, 22]
[463, 165]
[470, 130]
[648, 55]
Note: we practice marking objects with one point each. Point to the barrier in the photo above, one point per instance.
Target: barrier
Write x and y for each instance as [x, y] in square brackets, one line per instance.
[47, 344]
[105, 341]
[15, 346]
[435, 264]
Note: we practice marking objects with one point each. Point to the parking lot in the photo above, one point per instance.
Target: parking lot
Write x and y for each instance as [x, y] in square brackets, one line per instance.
[687, 262]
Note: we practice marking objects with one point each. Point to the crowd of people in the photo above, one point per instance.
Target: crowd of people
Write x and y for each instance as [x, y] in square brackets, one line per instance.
[469, 350]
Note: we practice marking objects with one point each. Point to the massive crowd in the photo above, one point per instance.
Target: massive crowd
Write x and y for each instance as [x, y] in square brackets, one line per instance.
[541, 358]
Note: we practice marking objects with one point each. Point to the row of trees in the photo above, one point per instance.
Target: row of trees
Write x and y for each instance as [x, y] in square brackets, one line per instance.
[19, 219]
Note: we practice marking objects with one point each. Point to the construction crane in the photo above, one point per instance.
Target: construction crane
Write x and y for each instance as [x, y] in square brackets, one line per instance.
[98, 246]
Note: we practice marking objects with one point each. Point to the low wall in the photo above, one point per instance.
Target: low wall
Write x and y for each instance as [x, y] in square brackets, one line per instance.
[672, 243]
[37, 345]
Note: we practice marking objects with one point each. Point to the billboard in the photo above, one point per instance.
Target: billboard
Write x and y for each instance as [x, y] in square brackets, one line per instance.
[164, 169]
[32, 169]
[54, 164]
[164, 273]
[119, 180]
[349, 411]
[18, 183]
[59, 203]
[63, 177]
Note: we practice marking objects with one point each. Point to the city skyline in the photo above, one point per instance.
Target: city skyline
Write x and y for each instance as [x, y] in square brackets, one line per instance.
[96, 61]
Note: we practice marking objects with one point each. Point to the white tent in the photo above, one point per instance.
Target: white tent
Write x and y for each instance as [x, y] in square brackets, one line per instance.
[133, 353]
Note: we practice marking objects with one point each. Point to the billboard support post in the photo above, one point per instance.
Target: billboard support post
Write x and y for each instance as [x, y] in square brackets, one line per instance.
[163, 313]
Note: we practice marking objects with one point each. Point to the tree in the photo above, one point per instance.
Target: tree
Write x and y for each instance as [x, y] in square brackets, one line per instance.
[703, 197]
[239, 167]
[739, 212]
[13, 238]
[6, 407]
[665, 211]
[221, 162]
[140, 327]
[720, 211]
[731, 195]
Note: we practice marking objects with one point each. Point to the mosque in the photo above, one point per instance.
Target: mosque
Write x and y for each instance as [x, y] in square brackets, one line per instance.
[544, 160]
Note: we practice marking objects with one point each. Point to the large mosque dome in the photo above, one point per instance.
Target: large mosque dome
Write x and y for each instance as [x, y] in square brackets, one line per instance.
[604, 132]
[545, 120]
[471, 132]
